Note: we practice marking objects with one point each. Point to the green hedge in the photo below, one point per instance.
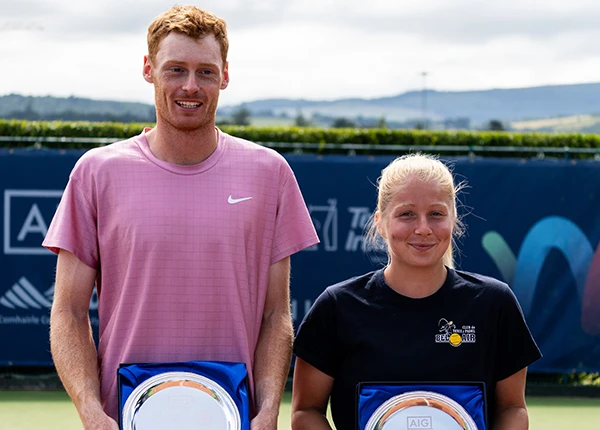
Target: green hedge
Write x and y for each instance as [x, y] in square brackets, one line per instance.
[84, 129]
[318, 137]
[415, 137]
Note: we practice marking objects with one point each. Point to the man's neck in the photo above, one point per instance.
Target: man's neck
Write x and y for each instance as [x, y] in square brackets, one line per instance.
[182, 147]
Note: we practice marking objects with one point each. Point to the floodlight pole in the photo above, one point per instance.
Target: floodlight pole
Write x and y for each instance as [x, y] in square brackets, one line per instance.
[424, 99]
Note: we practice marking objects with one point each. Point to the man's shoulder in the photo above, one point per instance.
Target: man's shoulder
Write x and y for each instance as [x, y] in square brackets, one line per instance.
[103, 160]
[119, 149]
[111, 148]
[251, 149]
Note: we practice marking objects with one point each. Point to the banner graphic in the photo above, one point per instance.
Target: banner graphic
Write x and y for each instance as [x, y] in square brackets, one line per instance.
[530, 223]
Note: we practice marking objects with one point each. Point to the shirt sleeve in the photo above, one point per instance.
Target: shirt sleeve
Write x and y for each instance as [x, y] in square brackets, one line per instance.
[73, 227]
[316, 341]
[294, 229]
[516, 347]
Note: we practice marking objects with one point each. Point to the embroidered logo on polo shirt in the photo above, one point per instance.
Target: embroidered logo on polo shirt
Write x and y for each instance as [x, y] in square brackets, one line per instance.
[448, 333]
[233, 201]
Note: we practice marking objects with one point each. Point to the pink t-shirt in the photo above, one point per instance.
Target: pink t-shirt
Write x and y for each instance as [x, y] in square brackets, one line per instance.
[183, 252]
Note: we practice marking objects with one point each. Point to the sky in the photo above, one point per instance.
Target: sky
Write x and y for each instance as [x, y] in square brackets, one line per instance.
[309, 49]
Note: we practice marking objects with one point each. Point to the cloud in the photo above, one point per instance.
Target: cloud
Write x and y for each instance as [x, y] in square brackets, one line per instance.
[457, 21]
[435, 19]
[316, 49]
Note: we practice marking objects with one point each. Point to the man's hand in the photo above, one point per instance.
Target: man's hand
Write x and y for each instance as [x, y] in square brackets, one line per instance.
[98, 420]
[264, 421]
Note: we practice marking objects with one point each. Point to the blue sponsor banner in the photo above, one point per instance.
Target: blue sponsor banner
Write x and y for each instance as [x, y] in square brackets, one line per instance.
[31, 183]
[531, 223]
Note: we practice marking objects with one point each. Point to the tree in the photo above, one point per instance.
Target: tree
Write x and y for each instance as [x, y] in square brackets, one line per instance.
[496, 125]
[343, 123]
[459, 123]
[300, 120]
[241, 116]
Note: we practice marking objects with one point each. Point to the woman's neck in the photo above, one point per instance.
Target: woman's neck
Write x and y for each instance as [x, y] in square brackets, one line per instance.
[415, 282]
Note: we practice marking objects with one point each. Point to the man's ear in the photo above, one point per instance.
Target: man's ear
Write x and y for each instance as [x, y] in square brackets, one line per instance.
[147, 70]
[225, 81]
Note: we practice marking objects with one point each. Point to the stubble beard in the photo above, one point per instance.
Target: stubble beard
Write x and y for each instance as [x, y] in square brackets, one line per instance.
[187, 125]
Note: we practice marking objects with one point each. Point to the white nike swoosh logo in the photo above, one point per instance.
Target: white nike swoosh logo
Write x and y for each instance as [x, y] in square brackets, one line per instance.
[233, 201]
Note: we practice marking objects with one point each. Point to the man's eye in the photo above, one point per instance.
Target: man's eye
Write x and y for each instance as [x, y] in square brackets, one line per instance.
[176, 69]
[207, 72]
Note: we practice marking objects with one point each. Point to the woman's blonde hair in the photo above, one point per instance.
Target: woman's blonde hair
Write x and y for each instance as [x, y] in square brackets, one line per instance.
[423, 167]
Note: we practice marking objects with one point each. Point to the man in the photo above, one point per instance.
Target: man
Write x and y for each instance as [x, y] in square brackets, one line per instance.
[187, 233]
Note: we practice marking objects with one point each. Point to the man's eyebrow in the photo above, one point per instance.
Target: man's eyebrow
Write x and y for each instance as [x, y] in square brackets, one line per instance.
[181, 62]
[176, 62]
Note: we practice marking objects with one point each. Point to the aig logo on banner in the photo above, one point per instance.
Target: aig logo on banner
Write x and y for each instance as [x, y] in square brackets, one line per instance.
[27, 214]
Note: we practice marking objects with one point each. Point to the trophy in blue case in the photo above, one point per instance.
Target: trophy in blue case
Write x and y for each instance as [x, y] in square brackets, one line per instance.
[183, 396]
[428, 406]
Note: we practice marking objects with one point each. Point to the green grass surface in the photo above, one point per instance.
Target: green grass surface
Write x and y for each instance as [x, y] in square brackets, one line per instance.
[53, 410]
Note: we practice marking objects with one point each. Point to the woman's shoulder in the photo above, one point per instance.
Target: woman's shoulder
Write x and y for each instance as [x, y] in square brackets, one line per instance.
[356, 285]
[478, 281]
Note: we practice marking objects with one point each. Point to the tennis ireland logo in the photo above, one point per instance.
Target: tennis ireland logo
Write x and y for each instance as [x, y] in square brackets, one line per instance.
[325, 220]
[448, 333]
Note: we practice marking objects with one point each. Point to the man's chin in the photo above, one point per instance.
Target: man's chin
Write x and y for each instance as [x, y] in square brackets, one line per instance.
[190, 126]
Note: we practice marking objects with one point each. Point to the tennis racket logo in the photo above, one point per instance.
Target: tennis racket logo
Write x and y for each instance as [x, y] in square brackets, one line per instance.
[449, 333]
[325, 220]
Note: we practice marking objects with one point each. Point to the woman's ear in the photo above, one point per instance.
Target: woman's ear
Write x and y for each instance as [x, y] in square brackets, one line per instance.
[379, 224]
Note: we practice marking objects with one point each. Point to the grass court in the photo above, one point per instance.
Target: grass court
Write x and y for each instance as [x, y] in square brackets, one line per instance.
[53, 410]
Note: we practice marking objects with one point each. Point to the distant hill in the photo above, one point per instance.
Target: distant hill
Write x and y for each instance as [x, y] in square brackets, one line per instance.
[506, 105]
[447, 109]
[73, 109]
[564, 124]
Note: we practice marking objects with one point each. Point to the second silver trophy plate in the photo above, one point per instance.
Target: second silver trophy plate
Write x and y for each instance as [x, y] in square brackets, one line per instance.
[420, 410]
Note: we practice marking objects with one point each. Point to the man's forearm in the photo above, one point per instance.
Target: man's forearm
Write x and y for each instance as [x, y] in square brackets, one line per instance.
[74, 355]
[272, 361]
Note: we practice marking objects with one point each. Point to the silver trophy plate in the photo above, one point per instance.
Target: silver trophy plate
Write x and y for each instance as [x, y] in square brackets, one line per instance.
[182, 401]
[423, 410]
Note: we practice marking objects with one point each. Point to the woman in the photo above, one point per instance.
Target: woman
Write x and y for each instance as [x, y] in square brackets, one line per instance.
[415, 320]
